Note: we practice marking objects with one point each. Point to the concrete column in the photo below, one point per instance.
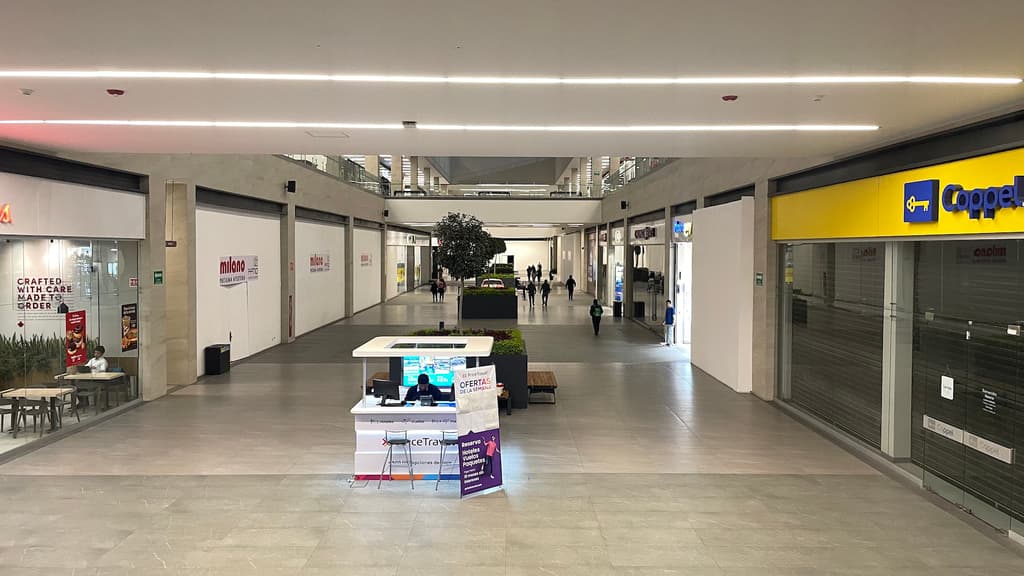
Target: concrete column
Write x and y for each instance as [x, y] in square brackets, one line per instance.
[613, 171]
[897, 349]
[765, 309]
[410, 268]
[668, 266]
[627, 273]
[153, 299]
[595, 176]
[427, 181]
[179, 282]
[350, 269]
[567, 185]
[437, 184]
[384, 264]
[371, 163]
[414, 172]
[288, 271]
[397, 183]
[575, 177]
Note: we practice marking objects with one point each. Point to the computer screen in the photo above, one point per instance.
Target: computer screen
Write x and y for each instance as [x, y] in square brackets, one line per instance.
[440, 370]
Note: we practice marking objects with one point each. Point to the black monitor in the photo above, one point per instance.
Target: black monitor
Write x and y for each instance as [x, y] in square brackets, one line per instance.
[385, 389]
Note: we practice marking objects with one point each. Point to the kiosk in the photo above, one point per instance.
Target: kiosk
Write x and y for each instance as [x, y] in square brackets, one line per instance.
[438, 357]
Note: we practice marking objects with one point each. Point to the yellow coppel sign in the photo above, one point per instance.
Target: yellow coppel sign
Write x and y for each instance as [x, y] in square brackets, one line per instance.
[874, 207]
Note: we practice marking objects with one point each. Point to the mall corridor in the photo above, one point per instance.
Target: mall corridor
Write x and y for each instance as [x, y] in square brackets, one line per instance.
[644, 466]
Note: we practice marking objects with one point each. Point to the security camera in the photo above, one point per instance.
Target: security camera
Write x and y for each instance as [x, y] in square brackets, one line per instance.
[26, 91]
[115, 92]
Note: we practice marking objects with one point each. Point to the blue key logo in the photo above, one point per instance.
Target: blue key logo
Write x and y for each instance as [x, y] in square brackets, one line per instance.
[921, 201]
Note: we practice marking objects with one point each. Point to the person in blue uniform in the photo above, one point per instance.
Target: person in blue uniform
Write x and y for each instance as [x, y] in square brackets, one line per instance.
[423, 387]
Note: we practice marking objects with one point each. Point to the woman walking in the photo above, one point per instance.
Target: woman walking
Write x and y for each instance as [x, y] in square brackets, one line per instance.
[441, 287]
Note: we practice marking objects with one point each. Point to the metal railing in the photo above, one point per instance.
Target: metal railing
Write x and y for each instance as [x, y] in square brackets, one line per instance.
[344, 169]
[631, 169]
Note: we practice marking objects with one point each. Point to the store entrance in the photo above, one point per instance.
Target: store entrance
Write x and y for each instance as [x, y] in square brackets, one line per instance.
[683, 298]
[967, 376]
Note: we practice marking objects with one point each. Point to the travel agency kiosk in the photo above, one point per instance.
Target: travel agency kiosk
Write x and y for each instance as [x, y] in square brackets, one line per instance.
[902, 321]
[468, 413]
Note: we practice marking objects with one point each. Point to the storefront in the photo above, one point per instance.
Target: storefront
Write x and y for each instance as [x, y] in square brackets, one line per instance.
[901, 321]
[405, 257]
[69, 283]
[647, 248]
[320, 272]
[682, 277]
[592, 261]
[613, 274]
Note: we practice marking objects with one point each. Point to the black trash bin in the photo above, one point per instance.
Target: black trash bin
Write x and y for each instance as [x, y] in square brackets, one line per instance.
[617, 309]
[217, 358]
[639, 309]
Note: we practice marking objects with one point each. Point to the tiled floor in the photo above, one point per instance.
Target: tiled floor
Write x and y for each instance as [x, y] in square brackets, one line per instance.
[645, 466]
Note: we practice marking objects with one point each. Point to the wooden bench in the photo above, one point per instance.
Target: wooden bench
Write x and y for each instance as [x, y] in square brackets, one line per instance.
[541, 383]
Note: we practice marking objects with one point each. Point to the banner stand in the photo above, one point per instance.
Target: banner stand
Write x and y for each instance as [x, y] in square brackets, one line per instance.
[476, 411]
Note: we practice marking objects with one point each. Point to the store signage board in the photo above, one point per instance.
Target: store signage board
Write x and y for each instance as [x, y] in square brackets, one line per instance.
[922, 198]
[75, 338]
[366, 260]
[133, 282]
[5, 214]
[973, 441]
[320, 262]
[947, 388]
[942, 429]
[238, 269]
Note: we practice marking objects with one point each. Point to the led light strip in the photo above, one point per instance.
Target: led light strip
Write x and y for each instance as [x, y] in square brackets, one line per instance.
[458, 127]
[602, 81]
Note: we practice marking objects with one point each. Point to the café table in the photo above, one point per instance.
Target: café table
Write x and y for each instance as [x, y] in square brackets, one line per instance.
[52, 394]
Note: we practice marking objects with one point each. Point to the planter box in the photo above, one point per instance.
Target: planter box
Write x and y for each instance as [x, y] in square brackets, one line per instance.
[504, 306]
[511, 372]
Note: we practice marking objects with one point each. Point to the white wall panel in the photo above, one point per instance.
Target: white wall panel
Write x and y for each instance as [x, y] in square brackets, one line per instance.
[246, 315]
[319, 296]
[493, 211]
[366, 263]
[527, 252]
[723, 292]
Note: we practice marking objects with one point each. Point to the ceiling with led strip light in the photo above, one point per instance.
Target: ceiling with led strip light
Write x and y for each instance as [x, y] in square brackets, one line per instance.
[529, 78]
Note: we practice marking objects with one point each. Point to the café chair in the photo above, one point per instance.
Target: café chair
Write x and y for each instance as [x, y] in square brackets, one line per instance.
[398, 438]
[39, 410]
[7, 408]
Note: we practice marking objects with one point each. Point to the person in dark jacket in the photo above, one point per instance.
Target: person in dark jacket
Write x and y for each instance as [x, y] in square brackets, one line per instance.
[423, 387]
[595, 316]
[545, 289]
[531, 289]
[433, 290]
[570, 285]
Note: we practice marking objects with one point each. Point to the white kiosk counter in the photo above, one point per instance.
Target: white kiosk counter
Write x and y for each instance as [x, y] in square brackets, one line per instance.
[424, 424]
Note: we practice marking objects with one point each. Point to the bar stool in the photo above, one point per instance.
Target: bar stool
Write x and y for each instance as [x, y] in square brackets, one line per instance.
[448, 438]
[396, 438]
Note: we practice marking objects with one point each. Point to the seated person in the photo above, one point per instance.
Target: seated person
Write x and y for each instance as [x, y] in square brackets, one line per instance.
[97, 363]
[423, 387]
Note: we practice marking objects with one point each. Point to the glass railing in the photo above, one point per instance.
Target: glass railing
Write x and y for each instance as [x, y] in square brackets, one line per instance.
[631, 169]
[343, 169]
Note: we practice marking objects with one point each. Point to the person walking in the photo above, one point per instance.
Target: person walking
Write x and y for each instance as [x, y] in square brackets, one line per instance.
[441, 287]
[531, 289]
[570, 285]
[539, 272]
[595, 316]
[530, 272]
[545, 289]
[670, 320]
[433, 289]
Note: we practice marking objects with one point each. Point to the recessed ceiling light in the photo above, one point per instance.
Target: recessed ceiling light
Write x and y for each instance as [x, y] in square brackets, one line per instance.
[540, 80]
[459, 127]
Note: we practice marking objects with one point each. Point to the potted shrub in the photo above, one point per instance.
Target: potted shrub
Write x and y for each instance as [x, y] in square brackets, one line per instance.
[490, 303]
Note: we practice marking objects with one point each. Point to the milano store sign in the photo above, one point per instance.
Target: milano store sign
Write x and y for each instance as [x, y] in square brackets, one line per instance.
[238, 269]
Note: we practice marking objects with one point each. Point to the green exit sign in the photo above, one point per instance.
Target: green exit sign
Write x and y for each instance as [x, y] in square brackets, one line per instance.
[759, 279]
[158, 277]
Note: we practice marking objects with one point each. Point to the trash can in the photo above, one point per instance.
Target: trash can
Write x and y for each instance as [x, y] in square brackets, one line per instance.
[617, 309]
[639, 309]
[217, 358]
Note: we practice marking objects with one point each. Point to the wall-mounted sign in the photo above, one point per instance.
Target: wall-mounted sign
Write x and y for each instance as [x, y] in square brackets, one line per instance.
[5, 214]
[759, 279]
[320, 262]
[947, 388]
[74, 338]
[41, 296]
[133, 282]
[617, 236]
[921, 199]
[682, 231]
[158, 277]
[129, 327]
[238, 269]
[170, 243]
[366, 259]
[645, 233]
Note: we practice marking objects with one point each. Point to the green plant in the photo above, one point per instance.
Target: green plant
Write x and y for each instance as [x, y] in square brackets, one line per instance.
[474, 291]
[499, 268]
[463, 248]
[20, 357]
[506, 342]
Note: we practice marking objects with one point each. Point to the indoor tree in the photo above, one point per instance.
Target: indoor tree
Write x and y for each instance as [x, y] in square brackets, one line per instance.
[464, 248]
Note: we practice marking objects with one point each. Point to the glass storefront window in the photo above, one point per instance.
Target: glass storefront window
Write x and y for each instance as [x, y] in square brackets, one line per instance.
[41, 280]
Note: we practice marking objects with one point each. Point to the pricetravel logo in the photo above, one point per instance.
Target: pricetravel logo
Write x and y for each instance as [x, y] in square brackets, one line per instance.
[921, 200]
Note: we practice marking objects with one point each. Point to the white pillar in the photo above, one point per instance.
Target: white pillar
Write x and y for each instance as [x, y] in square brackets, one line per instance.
[613, 171]
[575, 178]
[595, 176]
[897, 349]
[397, 184]
[371, 163]
[426, 179]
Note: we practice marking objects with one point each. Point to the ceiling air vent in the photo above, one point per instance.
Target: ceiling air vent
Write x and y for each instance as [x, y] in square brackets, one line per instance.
[326, 134]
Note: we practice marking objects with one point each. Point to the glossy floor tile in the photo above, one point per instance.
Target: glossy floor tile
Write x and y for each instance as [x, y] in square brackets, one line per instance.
[644, 466]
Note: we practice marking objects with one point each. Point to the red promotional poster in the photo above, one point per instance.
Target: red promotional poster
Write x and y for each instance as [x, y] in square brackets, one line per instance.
[74, 343]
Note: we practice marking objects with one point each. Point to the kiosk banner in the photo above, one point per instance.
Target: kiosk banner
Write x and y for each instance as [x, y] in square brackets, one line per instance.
[476, 408]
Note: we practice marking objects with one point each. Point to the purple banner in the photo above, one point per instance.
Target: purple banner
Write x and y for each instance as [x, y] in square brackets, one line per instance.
[480, 461]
